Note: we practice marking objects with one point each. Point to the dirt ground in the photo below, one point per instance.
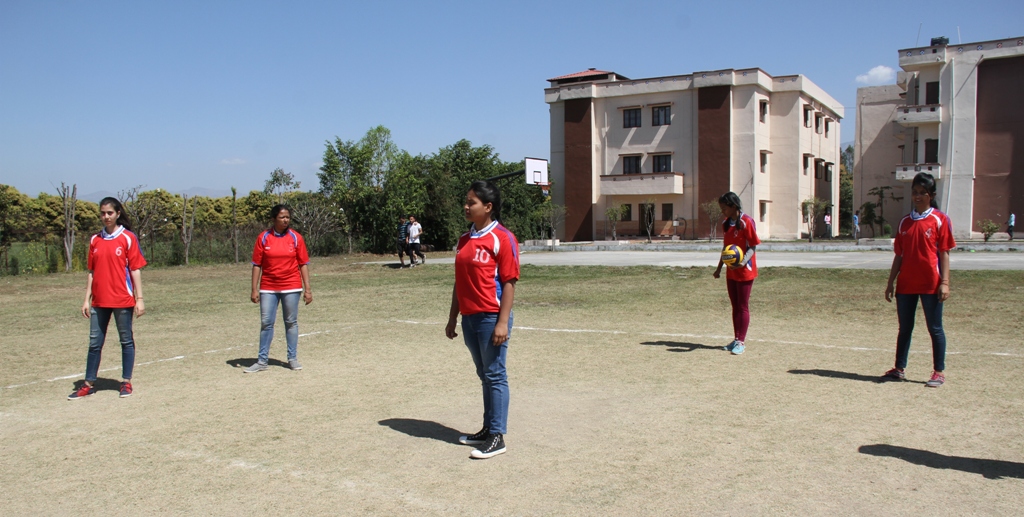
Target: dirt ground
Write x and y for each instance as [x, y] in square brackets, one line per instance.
[623, 402]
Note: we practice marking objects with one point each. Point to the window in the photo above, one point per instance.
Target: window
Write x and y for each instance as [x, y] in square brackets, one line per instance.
[631, 165]
[828, 171]
[764, 111]
[807, 116]
[631, 117]
[931, 150]
[819, 168]
[828, 124]
[660, 116]
[817, 123]
[666, 211]
[627, 212]
[662, 163]
[807, 163]
[764, 210]
[931, 92]
[764, 161]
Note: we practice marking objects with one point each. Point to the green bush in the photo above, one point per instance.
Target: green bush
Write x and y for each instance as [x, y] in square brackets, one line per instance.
[12, 266]
[988, 227]
[886, 230]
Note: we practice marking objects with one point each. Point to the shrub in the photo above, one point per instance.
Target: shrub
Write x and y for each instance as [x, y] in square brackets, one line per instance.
[886, 230]
[988, 227]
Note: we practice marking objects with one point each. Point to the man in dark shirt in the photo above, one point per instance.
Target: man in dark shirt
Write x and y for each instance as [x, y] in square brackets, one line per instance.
[403, 244]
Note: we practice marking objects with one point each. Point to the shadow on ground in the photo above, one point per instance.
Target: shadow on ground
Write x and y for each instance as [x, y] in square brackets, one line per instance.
[101, 384]
[423, 429]
[878, 379]
[246, 362]
[675, 346]
[991, 469]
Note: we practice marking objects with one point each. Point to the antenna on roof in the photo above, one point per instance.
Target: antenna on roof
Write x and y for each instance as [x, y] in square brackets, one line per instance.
[918, 40]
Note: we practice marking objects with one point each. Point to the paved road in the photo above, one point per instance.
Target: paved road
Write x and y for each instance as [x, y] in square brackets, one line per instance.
[852, 260]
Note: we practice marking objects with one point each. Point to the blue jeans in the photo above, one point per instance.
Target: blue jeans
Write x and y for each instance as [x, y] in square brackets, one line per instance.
[268, 313]
[477, 330]
[906, 310]
[98, 321]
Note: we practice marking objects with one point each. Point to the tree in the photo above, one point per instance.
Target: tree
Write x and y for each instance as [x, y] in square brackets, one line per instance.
[714, 213]
[867, 216]
[647, 217]
[145, 210]
[811, 208]
[613, 215]
[315, 217]
[846, 190]
[552, 215]
[988, 228]
[68, 197]
[234, 221]
[281, 184]
[187, 224]
[880, 192]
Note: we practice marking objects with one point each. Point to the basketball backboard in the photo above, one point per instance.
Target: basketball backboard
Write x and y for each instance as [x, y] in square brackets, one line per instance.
[536, 171]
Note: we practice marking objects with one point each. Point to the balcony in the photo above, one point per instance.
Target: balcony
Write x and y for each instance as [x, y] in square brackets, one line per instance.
[907, 171]
[914, 59]
[913, 116]
[648, 184]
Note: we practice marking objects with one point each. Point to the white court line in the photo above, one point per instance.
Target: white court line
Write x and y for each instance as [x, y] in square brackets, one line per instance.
[723, 338]
[175, 358]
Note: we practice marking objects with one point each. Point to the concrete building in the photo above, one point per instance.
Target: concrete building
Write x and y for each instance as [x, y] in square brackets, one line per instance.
[957, 112]
[662, 146]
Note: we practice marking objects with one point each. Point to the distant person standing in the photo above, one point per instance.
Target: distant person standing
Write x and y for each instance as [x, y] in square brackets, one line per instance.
[415, 232]
[113, 288]
[828, 225]
[280, 274]
[1009, 225]
[920, 270]
[403, 239]
[856, 225]
[738, 228]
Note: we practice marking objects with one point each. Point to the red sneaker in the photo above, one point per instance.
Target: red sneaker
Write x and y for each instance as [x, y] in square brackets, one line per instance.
[937, 379]
[126, 389]
[82, 392]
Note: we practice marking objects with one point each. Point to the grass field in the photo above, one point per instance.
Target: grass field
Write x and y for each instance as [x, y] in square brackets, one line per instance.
[623, 402]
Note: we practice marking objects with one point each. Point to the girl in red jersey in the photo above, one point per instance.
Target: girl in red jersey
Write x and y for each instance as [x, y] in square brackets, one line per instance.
[113, 288]
[921, 265]
[486, 271]
[738, 228]
[280, 272]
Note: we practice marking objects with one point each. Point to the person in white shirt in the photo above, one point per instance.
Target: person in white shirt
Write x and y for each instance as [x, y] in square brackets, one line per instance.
[415, 231]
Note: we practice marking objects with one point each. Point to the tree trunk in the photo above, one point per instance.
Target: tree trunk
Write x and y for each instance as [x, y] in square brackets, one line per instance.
[69, 198]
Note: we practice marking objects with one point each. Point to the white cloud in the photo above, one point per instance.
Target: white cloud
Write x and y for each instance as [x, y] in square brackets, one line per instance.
[880, 74]
[233, 161]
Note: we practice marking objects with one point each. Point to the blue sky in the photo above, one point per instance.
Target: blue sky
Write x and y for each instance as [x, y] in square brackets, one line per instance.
[214, 94]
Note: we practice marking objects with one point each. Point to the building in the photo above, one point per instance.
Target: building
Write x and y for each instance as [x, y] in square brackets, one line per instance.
[957, 112]
[662, 146]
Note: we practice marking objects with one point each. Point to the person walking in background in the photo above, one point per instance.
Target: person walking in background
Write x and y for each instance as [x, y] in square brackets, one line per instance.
[828, 225]
[1009, 225]
[403, 240]
[856, 225]
[920, 270]
[280, 273]
[486, 272]
[113, 288]
[738, 228]
[415, 232]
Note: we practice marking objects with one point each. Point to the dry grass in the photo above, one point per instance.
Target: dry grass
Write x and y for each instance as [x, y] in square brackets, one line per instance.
[641, 414]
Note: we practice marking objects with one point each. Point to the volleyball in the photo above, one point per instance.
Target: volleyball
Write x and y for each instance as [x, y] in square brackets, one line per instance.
[732, 255]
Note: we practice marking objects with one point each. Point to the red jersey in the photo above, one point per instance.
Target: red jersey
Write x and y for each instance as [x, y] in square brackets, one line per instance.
[484, 261]
[279, 256]
[745, 238]
[919, 240]
[112, 258]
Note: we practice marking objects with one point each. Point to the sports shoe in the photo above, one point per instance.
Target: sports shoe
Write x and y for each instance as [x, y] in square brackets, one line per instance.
[256, 367]
[494, 446]
[937, 379]
[82, 392]
[126, 389]
[294, 364]
[895, 374]
[732, 345]
[475, 439]
[738, 348]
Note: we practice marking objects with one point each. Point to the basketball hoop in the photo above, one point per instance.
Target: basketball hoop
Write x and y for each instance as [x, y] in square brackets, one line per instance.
[545, 189]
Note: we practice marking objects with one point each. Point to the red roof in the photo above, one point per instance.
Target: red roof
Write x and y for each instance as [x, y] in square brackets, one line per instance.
[585, 73]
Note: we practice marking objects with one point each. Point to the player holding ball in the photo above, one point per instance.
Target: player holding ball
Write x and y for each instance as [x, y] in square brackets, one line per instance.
[738, 230]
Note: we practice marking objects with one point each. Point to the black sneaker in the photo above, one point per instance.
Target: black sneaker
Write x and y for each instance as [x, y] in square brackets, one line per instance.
[475, 439]
[494, 446]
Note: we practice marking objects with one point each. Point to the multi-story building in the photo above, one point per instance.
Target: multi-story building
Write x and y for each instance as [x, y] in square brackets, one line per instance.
[663, 146]
[957, 112]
